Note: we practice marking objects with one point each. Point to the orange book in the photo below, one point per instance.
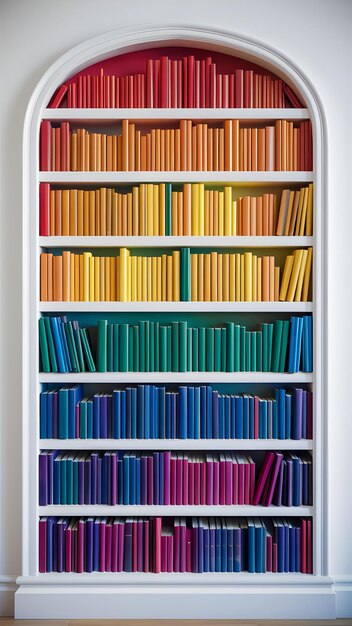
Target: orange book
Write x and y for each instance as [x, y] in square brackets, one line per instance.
[283, 211]
[266, 202]
[228, 145]
[214, 276]
[265, 279]
[254, 149]
[207, 278]
[294, 213]
[295, 149]
[57, 278]
[253, 216]
[278, 145]
[210, 147]
[246, 216]
[66, 276]
[189, 134]
[246, 149]
[137, 151]
[205, 146]
[162, 150]
[131, 147]
[125, 146]
[73, 212]
[97, 212]
[73, 151]
[194, 149]
[241, 150]
[108, 211]
[200, 151]
[235, 145]
[86, 209]
[43, 277]
[52, 213]
[86, 151]
[114, 218]
[92, 152]
[271, 278]
[109, 152]
[270, 148]
[261, 150]
[259, 215]
[289, 213]
[215, 149]
[80, 212]
[271, 214]
[221, 164]
[65, 216]
[167, 150]
[92, 213]
[177, 158]
[129, 214]
[183, 145]
[172, 150]
[157, 149]
[102, 152]
[284, 162]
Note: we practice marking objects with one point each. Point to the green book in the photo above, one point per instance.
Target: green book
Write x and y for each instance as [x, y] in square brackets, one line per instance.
[209, 349]
[43, 345]
[110, 348]
[265, 348]
[136, 349]
[195, 350]
[168, 351]
[123, 356]
[243, 364]
[201, 348]
[175, 364]
[116, 347]
[156, 347]
[237, 348]
[284, 344]
[277, 337]
[163, 348]
[185, 275]
[78, 344]
[168, 219]
[182, 329]
[254, 351]
[87, 350]
[151, 347]
[147, 347]
[217, 349]
[247, 343]
[130, 349]
[142, 347]
[223, 350]
[102, 345]
[230, 347]
[259, 351]
[51, 347]
[189, 350]
[270, 344]
[71, 346]
[75, 481]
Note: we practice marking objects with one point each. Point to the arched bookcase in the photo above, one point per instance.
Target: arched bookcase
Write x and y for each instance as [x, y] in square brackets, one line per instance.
[222, 594]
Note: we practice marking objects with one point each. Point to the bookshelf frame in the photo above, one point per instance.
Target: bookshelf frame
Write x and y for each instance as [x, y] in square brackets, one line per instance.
[143, 595]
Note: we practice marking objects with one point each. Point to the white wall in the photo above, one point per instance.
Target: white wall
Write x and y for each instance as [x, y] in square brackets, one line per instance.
[315, 34]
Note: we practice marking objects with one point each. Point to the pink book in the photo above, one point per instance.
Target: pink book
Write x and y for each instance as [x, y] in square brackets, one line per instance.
[222, 479]
[177, 537]
[80, 546]
[269, 553]
[185, 482]
[231, 91]
[209, 478]
[228, 482]
[42, 546]
[114, 546]
[309, 547]
[102, 533]
[121, 546]
[275, 557]
[157, 545]
[273, 479]
[212, 85]
[203, 484]
[183, 546]
[219, 91]
[235, 483]
[179, 479]
[241, 482]
[252, 481]
[167, 467]
[163, 565]
[140, 545]
[247, 482]
[188, 549]
[170, 553]
[150, 480]
[134, 547]
[146, 546]
[191, 483]
[263, 475]
[216, 482]
[108, 546]
[197, 483]
[68, 548]
[173, 481]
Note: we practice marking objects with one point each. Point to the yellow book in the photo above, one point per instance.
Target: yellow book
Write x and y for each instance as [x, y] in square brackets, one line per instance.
[107, 279]
[206, 213]
[174, 213]
[114, 215]
[242, 279]
[134, 293]
[221, 213]
[307, 275]
[97, 296]
[259, 279]
[200, 277]
[271, 278]
[304, 212]
[91, 279]
[86, 282]
[225, 277]
[194, 277]
[187, 209]
[135, 211]
[142, 209]
[176, 275]
[180, 213]
[300, 210]
[81, 278]
[162, 208]
[211, 212]
[129, 214]
[65, 213]
[234, 219]
[117, 275]
[216, 213]
[163, 277]
[276, 284]
[232, 277]
[169, 284]
[286, 277]
[102, 203]
[254, 278]
[195, 209]
[124, 262]
[207, 278]
[309, 218]
[149, 279]
[72, 277]
[113, 297]
[139, 279]
[76, 275]
[154, 280]
[102, 278]
[124, 215]
[228, 211]
[80, 212]
[150, 209]
[155, 210]
[247, 276]
[297, 259]
[237, 277]
[201, 209]
[214, 276]
[219, 277]
[302, 269]
[158, 276]
[144, 279]
[91, 213]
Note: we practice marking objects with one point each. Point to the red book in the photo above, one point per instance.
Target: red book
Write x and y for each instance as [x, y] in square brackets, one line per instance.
[58, 97]
[231, 91]
[247, 89]
[173, 84]
[185, 82]
[84, 92]
[130, 82]
[292, 98]
[225, 91]
[197, 84]
[89, 91]
[212, 86]
[79, 91]
[136, 91]
[142, 91]
[149, 84]
[208, 63]
[202, 85]
[263, 476]
[238, 89]
[156, 83]
[107, 103]
[157, 545]
[179, 83]
[101, 89]
[45, 146]
[218, 90]
[146, 537]
[164, 82]
[44, 209]
[69, 96]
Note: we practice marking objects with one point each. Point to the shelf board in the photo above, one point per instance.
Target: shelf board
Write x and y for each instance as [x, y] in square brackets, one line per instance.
[172, 510]
[180, 307]
[175, 444]
[93, 178]
[175, 377]
[114, 115]
[166, 242]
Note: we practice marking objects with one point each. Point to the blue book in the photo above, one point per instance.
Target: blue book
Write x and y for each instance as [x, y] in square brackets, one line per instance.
[190, 412]
[292, 345]
[61, 362]
[259, 566]
[215, 415]
[239, 417]
[220, 405]
[280, 547]
[197, 412]
[96, 544]
[133, 413]
[275, 419]
[168, 398]
[280, 396]
[75, 481]
[43, 415]
[83, 418]
[116, 411]
[153, 415]
[251, 417]
[263, 419]
[245, 417]
[288, 416]
[52, 408]
[212, 531]
[233, 417]
[298, 343]
[128, 413]
[133, 479]
[174, 412]
[63, 413]
[206, 547]
[138, 480]
[162, 416]
[61, 322]
[123, 414]
[251, 546]
[96, 416]
[50, 544]
[298, 550]
[227, 402]
[292, 548]
[57, 479]
[203, 412]
[120, 480]
[229, 546]
[236, 548]
[200, 548]
[310, 343]
[209, 423]
[104, 479]
[126, 478]
[182, 434]
[69, 479]
[140, 412]
[217, 546]
[74, 396]
[223, 548]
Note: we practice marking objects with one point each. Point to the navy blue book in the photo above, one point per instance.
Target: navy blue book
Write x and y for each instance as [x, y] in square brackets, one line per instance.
[206, 547]
[218, 546]
[43, 415]
[292, 549]
[96, 416]
[128, 413]
[140, 412]
[220, 422]
[104, 416]
[190, 412]
[239, 417]
[298, 549]
[293, 348]
[287, 546]
[120, 481]
[133, 413]
[223, 547]
[168, 397]
[209, 424]
[104, 480]
[147, 411]
[251, 417]
[251, 546]
[182, 434]
[229, 547]
[233, 417]
[245, 417]
[200, 548]
[197, 413]
[126, 478]
[123, 414]
[174, 412]
[280, 547]
[280, 395]
[263, 419]
[259, 539]
[161, 405]
[63, 413]
[227, 403]
[133, 479]
[116, 414]
[212, 531]
[96, 544]
[236, 549]
[215, 415]
[153, 412]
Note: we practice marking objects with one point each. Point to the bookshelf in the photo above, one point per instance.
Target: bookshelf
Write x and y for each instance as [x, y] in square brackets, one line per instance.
[267, 587]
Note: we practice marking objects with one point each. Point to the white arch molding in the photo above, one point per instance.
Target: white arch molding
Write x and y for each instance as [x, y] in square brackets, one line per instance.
[97, 596]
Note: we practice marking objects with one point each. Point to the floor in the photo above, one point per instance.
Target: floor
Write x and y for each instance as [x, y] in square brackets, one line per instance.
[11, 622]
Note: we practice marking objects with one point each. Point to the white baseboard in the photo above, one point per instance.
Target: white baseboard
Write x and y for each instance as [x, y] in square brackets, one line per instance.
[343, 590]
[7, 595]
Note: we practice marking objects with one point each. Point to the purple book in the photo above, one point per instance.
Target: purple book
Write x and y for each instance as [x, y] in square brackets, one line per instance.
[228, 481]
[99, 464]
[144, 480]
[108, 546]
[102, 542]
[191, 483]
[183, 545]
[114, 546]
[173, 480]
[89, 544]
[167, 468]
[87, 480]
[277, 499]
[210, 479]
[195, 545]
[289, 483]
[262, 478]
[121, 545]
[61, 526]
[94, 464]
[309, 414]
[80, 545]
[216, 482]
[146, 535]
[177, 537]
[170, 553]
[222, 479]
[185, 481]
[212, 545]
[113, 457]
[273, 479]
[43, 478]
[179, 478]
[140, 546]
[163, 566]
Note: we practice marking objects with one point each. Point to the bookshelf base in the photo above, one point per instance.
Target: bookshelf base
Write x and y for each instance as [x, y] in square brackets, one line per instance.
[287, 598]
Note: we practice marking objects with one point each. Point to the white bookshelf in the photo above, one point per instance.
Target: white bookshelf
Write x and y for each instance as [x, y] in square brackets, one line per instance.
[220, 595]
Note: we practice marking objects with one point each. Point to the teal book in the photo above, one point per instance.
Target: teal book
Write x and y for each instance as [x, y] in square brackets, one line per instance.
[72, 346]
[195, 350]
[43, 345]
[116, 347]
[168, 352]
[151, 347]
[243, 364]
[163, 348]
[87, 350]
[209, 349]
[201, 349]
[247, 349]
[102, 345]
[130, 349]
[156, 347]
[189, 350]
[110, 348]
[75, 481]
[265, 347]
[284, 344]
[259, 351]
[217, 349]
[277, 337]
[78, 344]
[142, 347]
[270, 344]
[230, 344]
[175, 347]
[168, 219]
[254, 351]
[51, 347]
[223, 350]
[185, 275]
[182, 327]
[147, 347]
[237, 348]
[136, 349]
[123, 356]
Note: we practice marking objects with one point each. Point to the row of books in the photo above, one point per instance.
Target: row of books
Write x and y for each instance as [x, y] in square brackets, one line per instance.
[192, 412]
[185, 146]
[115, 544]
[175, 277]
[163, 209]
[283, 345]
[188, 82]
[174, 478]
